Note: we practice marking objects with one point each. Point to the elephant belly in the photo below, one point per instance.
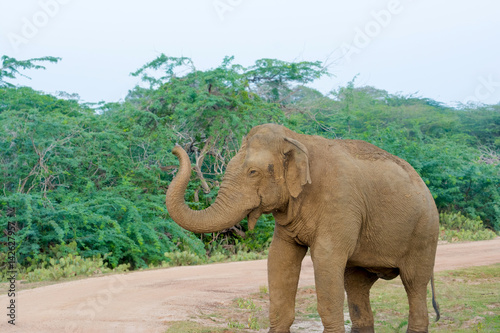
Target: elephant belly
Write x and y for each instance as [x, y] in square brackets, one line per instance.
[376, 261]
[383, 272]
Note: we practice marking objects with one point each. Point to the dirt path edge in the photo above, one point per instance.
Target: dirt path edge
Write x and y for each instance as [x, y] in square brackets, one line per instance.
[147, 301]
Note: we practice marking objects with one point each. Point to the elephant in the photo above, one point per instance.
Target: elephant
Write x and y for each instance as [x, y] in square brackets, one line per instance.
[364, 213]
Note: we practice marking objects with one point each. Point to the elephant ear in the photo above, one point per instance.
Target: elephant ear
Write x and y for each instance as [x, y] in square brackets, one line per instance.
[243, 143]
[296, 167]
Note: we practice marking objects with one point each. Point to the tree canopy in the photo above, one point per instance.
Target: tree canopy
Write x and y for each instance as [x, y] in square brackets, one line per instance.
[97, 176]
[10, 67]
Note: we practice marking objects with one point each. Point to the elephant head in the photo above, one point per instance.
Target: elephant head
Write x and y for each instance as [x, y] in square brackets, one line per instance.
[267, 175]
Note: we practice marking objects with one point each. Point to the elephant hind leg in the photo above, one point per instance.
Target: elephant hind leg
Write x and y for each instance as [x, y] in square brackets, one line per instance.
[357, 282]
[416, 289]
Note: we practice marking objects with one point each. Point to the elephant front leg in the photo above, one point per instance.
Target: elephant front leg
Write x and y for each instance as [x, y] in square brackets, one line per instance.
[330, 293]
[284, 263]
[329, 269]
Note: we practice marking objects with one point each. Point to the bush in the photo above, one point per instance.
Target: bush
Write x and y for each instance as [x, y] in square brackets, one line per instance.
[62, 261]
[238, 252]
[71, 266]
[457, 227]
[184, 258]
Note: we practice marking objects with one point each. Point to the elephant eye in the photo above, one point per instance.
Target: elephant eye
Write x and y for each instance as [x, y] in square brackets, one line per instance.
[252, 172]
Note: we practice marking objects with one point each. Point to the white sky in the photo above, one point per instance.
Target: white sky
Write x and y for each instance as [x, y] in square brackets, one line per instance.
[445, 50]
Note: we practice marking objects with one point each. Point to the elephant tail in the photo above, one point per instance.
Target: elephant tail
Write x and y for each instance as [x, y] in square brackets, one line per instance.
[435, 305]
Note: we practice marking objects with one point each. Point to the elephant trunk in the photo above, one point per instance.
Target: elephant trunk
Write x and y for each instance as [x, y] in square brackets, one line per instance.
[222, 214]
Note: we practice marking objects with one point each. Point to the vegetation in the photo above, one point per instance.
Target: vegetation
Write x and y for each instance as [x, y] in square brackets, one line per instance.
[457, 227]
[88, 181]
[11, 66]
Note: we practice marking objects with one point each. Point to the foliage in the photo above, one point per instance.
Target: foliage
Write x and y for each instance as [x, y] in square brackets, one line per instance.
[71, 266]
[10, 67]
[184, 258]
[71, 174]
[62, 262]
[457, 227]
[238, 252]
[460, 222]
[214, 109]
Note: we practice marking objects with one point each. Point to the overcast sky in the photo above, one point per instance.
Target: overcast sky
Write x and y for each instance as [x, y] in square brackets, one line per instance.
[445, 50]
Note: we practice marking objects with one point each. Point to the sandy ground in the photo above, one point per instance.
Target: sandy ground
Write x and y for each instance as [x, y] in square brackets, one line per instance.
[147, 301]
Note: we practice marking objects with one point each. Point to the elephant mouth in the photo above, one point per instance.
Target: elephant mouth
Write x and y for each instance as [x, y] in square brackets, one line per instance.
[252, 217]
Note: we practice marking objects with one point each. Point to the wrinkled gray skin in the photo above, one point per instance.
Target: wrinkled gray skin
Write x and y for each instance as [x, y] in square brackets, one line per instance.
[364, 213]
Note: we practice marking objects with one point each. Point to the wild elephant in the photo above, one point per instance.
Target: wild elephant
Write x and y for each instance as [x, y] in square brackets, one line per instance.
[364, 213]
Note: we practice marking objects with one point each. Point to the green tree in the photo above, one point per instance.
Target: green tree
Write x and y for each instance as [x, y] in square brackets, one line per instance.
[213, 109]
[93, 180]
[10, 67]
[70, 175]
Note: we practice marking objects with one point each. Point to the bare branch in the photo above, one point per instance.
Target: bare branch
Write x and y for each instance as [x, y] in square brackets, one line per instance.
[199, 161]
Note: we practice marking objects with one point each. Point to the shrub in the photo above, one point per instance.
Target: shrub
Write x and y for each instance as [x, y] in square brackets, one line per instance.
[184, 258]
[71, 266]
[457, 227]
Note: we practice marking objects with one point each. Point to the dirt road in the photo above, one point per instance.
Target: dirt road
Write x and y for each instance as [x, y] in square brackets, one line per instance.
[147, 301]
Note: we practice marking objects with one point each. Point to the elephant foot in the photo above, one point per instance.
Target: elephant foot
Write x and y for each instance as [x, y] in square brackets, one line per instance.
[369, 329]
[413, 331]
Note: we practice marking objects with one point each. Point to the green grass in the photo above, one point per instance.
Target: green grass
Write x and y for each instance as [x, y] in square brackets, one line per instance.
[469, 300]
[192, 327]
